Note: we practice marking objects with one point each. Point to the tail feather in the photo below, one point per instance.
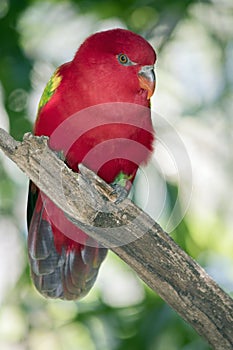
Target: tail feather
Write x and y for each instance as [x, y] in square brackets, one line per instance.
[68, 272]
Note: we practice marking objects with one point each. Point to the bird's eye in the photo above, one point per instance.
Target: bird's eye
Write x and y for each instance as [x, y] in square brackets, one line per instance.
[123, 59]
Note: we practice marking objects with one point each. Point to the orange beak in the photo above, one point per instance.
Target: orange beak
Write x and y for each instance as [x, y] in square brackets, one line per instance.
[146, 77]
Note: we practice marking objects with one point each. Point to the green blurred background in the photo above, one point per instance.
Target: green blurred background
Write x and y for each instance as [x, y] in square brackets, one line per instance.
[192, 182]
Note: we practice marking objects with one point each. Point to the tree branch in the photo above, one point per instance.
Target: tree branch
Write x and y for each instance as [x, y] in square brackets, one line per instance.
[89, 203]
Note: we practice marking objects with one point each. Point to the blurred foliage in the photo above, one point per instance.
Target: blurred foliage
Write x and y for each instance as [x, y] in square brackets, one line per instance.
[27, 321]
[92, 324]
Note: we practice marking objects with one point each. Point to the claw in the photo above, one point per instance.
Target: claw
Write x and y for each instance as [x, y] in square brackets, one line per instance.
[121, 192]
[121, 186]
[60, 155]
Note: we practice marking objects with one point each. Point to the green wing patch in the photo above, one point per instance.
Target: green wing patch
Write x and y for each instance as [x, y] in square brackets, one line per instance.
[50, 88]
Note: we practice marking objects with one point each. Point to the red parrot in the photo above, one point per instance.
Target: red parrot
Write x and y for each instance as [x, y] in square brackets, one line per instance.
[96, 111]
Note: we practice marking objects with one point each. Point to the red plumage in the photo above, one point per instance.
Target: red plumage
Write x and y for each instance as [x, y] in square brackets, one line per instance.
[96, 113]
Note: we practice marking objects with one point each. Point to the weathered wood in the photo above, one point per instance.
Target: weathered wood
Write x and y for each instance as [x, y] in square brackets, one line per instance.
[89, 203]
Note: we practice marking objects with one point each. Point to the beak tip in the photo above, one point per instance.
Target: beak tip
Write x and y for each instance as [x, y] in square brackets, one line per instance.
[146, 78]
[150, 91]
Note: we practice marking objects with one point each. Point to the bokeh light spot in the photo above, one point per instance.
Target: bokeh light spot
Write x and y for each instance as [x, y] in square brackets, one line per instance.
[18, 100]
[142, 17]
[4, 8]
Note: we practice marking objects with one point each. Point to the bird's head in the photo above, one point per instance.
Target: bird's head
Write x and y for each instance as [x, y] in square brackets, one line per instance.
[117, 66]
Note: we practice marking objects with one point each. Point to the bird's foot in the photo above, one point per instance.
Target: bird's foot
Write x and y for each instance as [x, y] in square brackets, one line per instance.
[120, 192]
[60, 155]
[121, 186]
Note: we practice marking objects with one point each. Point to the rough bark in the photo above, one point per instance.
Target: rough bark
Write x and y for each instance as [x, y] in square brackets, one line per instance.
[89, 203]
